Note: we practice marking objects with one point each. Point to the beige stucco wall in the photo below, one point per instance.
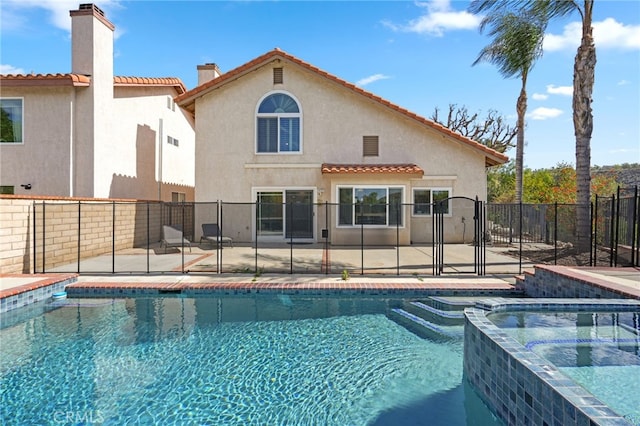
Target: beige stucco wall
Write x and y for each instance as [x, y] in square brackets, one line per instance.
[99, 141]
[333, 124]
[140, 145]
[44, 158]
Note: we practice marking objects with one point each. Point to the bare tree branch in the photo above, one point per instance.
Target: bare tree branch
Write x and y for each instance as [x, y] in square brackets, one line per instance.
[492, 130]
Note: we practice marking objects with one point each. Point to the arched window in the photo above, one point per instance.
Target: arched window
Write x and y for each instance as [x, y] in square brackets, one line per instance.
[278, 124]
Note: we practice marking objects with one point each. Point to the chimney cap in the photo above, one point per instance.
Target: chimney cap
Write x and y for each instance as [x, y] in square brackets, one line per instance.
[91, 6]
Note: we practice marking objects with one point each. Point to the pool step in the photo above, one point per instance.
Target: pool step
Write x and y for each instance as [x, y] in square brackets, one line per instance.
[453, 303]
[424, 328]
[430, 313]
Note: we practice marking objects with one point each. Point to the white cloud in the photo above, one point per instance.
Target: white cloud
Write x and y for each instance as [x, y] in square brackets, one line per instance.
[607, 34]
[371, 79]
[539, 96]
[560, 90]
[59, 9]
[10, 69]
[623, 83]
[438, 19]
[543, 113]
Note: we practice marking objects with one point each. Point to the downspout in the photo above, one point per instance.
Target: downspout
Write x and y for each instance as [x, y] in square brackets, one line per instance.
[160, 144]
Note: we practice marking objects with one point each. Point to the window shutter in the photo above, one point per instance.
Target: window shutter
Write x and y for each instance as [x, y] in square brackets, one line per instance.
[370, 146]
[278, 76]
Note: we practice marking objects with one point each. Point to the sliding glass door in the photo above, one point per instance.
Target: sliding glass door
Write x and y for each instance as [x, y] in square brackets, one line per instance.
[285, 214]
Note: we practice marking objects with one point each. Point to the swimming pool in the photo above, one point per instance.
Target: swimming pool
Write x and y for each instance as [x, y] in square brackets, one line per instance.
[233, 360]
[598, 350]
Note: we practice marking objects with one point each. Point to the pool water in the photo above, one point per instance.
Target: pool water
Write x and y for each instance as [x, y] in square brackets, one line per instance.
[244, 360]
[599, 351]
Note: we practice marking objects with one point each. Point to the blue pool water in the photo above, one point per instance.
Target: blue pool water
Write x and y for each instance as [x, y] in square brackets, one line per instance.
[231, 361]
[600, 351]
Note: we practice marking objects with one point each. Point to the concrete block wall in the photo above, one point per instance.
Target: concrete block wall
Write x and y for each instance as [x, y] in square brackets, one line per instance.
[15, 235]
[68, 228]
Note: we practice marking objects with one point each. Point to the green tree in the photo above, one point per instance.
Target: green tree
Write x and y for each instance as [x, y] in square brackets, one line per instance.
[6, 127]
[515, 47]
[546, 186]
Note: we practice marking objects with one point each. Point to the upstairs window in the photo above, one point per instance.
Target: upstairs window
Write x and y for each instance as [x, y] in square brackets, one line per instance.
[11, 120]
[278, 124]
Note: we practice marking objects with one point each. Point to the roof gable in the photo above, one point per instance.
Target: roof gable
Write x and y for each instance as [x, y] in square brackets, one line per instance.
[187, 100]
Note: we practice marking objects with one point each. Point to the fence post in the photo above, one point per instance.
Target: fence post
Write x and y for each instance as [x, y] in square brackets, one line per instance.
[593, 257]
[34, 238]
[289, 206]
[617, 229]
[148, 238]
[326, 238]
[113, 237]
[79, 227]
[433, 240]
[634, 238]
[361, 242]
[555, 234]
[397, 239]
[612, 229]
[44, 241]
[182, 242]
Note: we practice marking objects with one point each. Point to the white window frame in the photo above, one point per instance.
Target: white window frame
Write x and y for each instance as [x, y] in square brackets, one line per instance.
[21, 99]
[353, 207]
[298, 115]
[431, 190]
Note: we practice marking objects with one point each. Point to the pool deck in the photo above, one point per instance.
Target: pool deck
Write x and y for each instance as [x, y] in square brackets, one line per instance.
[626, 280]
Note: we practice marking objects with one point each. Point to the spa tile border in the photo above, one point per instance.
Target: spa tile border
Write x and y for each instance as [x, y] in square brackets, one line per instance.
[520, 386]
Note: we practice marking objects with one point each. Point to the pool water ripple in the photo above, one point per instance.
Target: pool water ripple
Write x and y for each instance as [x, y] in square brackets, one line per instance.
[124, 365]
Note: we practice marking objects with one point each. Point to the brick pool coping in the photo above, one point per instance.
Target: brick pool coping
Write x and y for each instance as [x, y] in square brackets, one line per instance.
[14, 294]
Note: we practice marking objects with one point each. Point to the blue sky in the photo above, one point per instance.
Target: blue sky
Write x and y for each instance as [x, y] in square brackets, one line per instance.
[415, 54]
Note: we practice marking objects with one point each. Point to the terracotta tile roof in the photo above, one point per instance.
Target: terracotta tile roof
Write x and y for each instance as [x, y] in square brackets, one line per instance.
[405, 169]
[150, 81]
[187, 99]
[16, 80]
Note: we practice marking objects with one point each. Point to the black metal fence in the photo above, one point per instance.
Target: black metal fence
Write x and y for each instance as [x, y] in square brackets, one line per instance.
[325, 238]
[546, 233]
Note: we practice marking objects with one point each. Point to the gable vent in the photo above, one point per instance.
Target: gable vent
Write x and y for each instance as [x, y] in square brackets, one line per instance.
[278, 76]
[370, 146]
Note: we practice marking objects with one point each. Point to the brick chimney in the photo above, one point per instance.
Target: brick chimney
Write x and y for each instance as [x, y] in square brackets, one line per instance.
[207, 72]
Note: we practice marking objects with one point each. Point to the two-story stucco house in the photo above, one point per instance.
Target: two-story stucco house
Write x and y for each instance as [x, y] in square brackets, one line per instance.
[89, 133]
[280, 132]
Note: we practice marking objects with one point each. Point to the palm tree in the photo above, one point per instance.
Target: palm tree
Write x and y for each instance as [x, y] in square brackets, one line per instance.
[516, 46]
[583, 79]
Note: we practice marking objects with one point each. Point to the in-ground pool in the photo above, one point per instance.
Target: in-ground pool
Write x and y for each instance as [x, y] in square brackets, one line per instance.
[243, 360]
[600, 351]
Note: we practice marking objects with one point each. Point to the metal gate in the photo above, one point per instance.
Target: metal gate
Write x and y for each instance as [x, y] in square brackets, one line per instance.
[449, 216]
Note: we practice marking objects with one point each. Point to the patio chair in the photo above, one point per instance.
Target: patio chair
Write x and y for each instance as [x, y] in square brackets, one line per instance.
[211, 234]
[172, 237]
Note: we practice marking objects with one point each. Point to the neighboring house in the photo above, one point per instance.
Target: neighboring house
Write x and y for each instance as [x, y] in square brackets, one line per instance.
[92, 134]
[279, 131]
